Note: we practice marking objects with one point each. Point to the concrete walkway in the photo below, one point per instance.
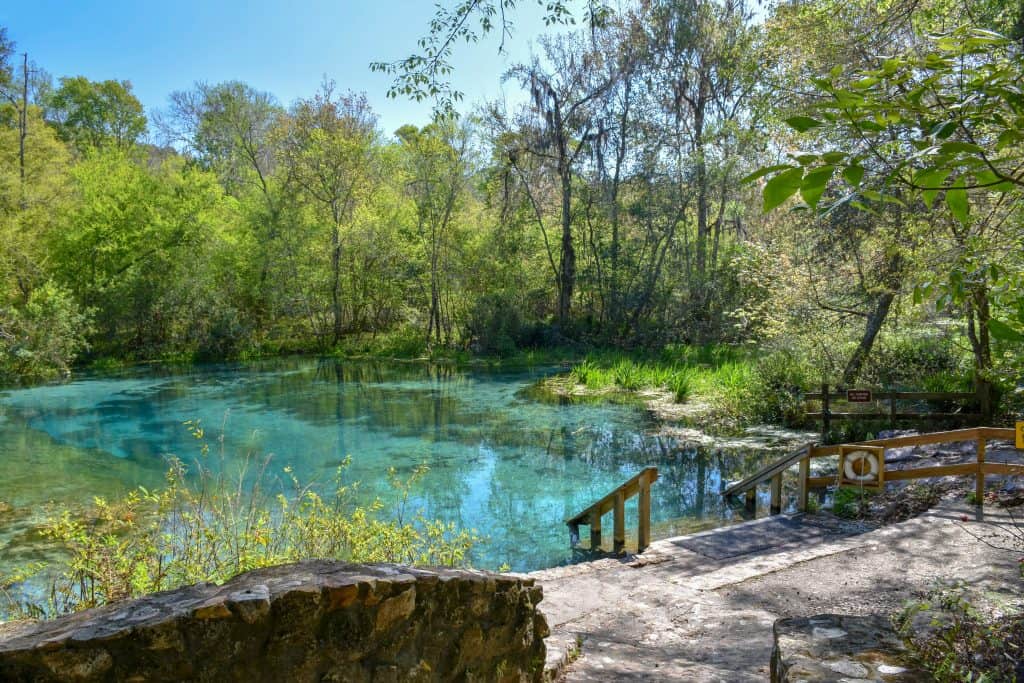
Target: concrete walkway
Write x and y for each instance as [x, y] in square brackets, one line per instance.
[701, 607]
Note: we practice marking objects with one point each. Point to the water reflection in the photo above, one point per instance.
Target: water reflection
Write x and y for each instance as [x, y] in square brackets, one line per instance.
[510, 467]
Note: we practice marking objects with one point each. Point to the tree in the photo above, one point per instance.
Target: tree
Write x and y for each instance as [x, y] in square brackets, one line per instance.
[90, 114]
[944, 121]
[559, 126]
[424, 75]
[437, 163]
[329, 153]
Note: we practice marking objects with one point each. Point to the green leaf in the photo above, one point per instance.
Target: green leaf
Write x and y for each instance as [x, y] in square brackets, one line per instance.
[1004, 332]
[802, 124]
[853, 174]
[814, 183]
[782, 187]
[761, 172]
[958, 147]
[956, 200]
[943, 130]
[931, 181]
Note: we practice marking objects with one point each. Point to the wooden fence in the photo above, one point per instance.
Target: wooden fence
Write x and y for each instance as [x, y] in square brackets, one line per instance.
[976, 407]
[979, 468]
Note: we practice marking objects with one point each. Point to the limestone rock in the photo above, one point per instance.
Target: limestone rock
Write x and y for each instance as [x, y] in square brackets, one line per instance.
[831, 647]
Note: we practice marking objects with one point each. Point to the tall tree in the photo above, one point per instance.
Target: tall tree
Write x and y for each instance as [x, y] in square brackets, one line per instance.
[329, 150]
[91, 114]
[437, 164]
[559, 125]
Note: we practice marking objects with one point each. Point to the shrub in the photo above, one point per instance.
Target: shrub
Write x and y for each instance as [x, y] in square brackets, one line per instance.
[496, 326]
[43, 339]
[963, 642]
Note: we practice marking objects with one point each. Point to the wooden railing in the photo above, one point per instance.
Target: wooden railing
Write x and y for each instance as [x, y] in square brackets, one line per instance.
[773, 472]
[639, 484]
[979, 468]
[980, 400]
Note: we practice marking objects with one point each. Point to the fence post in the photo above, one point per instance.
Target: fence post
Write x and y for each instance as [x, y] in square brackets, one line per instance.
[985, 401]
[979, 479]
[776, 489]
[644, 508]
[620, 521]
[595, 529]
[826, 414]
[805, 473]
[892, 408]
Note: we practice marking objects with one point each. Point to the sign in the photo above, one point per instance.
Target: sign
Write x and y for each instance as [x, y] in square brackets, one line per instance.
[1020, 435]
[858, 395]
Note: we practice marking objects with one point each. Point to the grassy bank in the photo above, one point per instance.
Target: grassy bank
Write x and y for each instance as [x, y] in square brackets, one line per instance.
[725, 386]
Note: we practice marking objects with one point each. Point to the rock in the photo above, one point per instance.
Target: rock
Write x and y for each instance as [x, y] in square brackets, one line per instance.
[310, 621]
[831, 647]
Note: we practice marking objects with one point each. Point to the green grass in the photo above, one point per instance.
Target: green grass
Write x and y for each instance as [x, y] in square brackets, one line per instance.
[722, 376]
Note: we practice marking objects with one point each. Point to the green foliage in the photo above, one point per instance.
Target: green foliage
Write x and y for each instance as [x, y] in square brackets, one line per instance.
[43, 338]
[217, 521]
[962, 642]
[91, 115]
[849, 501]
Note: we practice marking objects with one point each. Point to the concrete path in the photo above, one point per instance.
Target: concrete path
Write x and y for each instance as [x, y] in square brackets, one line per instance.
[701, 607]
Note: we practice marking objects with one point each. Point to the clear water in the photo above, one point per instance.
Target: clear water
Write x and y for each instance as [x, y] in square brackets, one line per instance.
[510, 467]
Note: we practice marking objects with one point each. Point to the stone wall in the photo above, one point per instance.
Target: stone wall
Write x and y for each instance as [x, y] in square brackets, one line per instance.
[311, 621]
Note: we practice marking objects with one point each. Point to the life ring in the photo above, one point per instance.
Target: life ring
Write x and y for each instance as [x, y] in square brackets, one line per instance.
[860, 466]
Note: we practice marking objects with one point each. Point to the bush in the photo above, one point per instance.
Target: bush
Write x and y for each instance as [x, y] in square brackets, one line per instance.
[963, 643]
[495, 324]
[43, 339]
[911, 360]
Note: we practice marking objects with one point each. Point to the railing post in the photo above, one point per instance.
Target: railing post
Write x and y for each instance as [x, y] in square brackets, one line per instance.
[805, 474]
[776, 488]
[826, 414]
[620, 521]
[979, 478]
[985, 401]
[892, 408]
[750, 505]
[644, 507]
[595, 529]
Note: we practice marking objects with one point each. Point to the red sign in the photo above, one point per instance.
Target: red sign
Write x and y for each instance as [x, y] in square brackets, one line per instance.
[858, 395]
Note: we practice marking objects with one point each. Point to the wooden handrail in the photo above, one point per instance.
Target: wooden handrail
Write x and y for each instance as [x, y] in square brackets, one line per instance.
[803, 456]
[768, 471]
[640, 483]
[979, 468]
[952, 436]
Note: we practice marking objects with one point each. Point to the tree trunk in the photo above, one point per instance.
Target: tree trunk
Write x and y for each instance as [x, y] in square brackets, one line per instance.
[875, 321]
[891, 281]
[567, 272]
[336, 281]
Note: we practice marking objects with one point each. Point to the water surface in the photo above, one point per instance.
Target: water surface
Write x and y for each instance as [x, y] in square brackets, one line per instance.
[510, 467]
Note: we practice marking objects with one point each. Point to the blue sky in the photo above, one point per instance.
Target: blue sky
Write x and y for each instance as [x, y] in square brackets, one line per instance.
[283, 47]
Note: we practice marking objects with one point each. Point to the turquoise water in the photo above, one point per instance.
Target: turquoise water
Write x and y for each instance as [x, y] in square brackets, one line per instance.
[510, 467]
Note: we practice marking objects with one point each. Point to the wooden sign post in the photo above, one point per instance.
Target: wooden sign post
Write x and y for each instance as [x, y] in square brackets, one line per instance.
[1020, 434]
